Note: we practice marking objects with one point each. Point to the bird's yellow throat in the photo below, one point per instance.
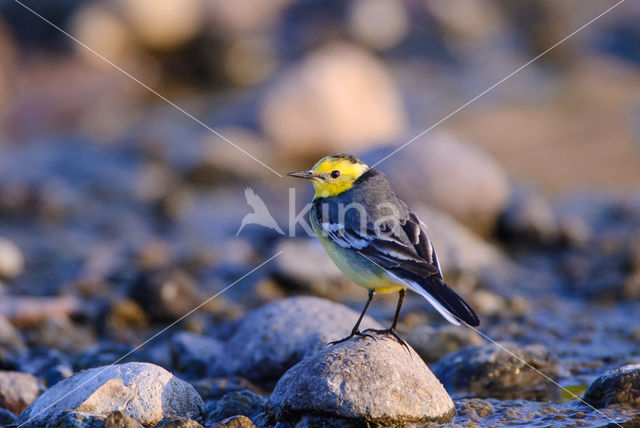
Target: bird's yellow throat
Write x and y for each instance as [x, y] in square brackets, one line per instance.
[327, 184]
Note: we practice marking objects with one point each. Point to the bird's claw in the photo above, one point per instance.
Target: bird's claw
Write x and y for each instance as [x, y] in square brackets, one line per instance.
[390, 332]
[353, 334]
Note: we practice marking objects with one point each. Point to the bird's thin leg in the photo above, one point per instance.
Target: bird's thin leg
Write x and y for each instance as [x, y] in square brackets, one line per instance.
[392, 330]
[356, 328]
[403, 293]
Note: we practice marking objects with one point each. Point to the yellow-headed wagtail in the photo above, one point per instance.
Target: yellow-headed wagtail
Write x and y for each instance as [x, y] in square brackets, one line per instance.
[376, 240]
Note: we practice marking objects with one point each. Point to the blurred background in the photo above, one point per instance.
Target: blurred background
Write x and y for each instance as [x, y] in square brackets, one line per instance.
[119, 212]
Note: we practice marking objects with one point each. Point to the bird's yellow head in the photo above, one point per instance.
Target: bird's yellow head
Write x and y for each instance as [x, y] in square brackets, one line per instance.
[333, 174]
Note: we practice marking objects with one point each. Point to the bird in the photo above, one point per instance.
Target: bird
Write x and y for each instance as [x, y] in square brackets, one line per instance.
[377, 240]
[261, 214]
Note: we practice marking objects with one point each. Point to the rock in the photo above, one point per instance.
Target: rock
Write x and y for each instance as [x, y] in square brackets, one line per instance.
[216, 161]
[271, 339]
[214, 388]
[434, 343]
[167, 26]
[490, 371]
[6, 417]
[17, 390]
[234, 19]
[452, 175]
[238, 421]
[528, 219]
[339, 96]
[125, 314]
[458, 248]
[11, 259]
[103, 354]
[323, 421]
[120, 419]
[27, 310]
[55, 374]
[379, 24]
[617, 386]
[238, 403]
[38, 360]
[63, 334]
[193, 353]
[75, 419]
[488, 303]
[143, 391]
[178, 423]
[574, 231]
[166, 294]
[10, 337]
[375, 380]
[305, 265]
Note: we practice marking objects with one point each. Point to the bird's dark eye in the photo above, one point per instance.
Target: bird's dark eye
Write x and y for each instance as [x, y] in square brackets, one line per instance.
[335, 173]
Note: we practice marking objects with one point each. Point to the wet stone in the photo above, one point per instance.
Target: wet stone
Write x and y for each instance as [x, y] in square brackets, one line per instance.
[491, 371]
[617, 386]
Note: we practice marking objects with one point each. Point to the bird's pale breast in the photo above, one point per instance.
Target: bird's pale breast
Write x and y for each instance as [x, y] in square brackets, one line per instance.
[358, 268]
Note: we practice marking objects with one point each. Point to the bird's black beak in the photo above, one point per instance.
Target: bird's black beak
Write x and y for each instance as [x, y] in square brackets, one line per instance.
[309, 175]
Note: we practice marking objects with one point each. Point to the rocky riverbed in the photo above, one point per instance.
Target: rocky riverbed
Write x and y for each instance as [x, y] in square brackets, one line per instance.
[132, 294]
[102, 272]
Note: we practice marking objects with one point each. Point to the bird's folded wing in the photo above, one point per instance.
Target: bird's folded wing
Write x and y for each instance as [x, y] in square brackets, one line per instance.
[391, 248]
[409, 256]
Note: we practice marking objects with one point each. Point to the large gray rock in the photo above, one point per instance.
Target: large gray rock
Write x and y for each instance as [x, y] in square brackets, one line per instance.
[371, 379]
[339, 96]
[617, 386]
[144, 391]
[273, 338]
[491, 371]
[452, 175]
[17, 390]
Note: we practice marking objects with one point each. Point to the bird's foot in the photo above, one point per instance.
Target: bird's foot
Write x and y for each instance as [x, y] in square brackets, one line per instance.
[390, 332]
[354, 333]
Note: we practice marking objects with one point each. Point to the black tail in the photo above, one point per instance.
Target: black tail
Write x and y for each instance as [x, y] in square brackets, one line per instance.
[446, 299]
